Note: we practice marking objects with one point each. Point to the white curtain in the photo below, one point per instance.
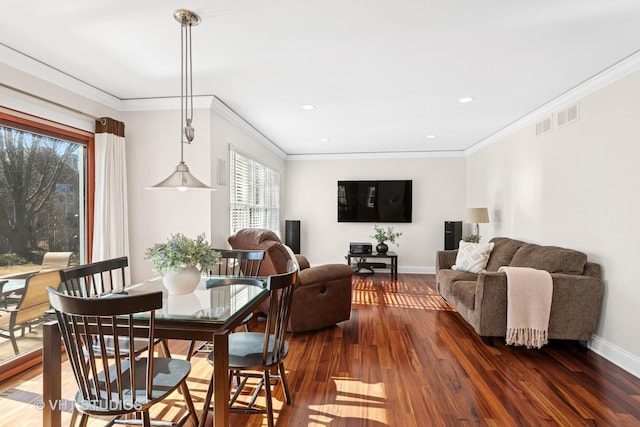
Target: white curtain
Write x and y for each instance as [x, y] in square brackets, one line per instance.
[110, 229]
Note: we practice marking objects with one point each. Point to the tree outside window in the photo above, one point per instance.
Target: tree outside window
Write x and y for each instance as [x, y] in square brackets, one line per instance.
[39, 196]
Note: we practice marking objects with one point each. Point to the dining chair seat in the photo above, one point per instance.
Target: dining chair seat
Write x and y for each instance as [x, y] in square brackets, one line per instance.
[166, 373]
[246, 351]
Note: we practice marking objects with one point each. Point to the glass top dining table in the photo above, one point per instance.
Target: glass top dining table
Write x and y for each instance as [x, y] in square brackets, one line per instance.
[209, 313]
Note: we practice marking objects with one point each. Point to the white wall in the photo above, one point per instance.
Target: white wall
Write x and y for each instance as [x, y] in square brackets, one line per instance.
[438, 196]
[577, 186]
[153, 151]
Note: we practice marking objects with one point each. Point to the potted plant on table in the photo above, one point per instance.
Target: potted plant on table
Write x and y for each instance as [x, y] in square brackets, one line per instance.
[471, 238]
[181, 261]
[382, 236]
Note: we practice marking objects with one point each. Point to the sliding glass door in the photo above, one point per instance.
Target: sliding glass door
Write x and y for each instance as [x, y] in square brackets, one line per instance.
[43, 210]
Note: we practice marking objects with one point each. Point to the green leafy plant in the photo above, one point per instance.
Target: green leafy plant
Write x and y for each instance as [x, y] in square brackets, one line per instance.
[180, 251]
[381, 235]
[472, 238]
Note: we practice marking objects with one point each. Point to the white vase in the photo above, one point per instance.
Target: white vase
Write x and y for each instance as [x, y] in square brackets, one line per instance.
[184, 281]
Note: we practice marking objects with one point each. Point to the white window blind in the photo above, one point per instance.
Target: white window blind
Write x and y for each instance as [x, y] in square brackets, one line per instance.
[255, 194]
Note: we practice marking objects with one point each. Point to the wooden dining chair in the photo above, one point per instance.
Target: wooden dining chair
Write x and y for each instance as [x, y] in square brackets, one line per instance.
[237, 263]
[31, 307]
[124, 384]
[95, 279]
[233, 263]
[250, 352]
[98, 279]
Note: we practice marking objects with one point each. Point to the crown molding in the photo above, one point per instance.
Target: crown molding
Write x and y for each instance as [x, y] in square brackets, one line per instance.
[211, 102]
[615, 72]
[35, 68]
[225, 111]
[373, 156]
[164, 103]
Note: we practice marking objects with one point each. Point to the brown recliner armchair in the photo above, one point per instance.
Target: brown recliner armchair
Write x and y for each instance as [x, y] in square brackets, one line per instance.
[322, 296]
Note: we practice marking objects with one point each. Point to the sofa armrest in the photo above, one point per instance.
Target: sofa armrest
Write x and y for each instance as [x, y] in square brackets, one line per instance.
[303, 262]
[445, 259]
[577, 306]
[491, 304]
[574, 308]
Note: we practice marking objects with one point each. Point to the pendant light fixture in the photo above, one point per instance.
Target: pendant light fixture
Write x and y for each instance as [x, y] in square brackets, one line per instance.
[181, 179]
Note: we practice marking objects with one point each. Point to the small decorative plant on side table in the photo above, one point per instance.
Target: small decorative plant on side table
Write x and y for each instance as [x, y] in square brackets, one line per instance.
[471, 238]
[182, 260]
[382, 236]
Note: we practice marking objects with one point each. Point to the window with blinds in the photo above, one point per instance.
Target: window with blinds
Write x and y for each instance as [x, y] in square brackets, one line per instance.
[255, 194]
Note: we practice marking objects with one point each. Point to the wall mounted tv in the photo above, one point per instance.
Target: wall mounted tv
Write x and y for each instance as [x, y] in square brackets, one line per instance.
[374, 201]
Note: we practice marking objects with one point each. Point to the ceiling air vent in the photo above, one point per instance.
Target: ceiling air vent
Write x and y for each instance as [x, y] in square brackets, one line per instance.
[543, 126]
[568, 115]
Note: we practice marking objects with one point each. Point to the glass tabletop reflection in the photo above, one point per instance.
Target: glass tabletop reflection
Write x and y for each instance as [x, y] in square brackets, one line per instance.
[215, 300]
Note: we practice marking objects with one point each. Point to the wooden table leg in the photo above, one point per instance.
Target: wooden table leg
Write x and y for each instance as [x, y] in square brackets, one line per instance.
[220, 382]
[51, 373]
[221, 379]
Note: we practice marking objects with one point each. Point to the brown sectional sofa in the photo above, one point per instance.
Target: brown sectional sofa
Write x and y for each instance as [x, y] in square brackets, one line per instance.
[481, 299]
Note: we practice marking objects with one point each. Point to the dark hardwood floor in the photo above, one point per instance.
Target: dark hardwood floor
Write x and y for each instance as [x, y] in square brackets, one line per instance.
[406, 359]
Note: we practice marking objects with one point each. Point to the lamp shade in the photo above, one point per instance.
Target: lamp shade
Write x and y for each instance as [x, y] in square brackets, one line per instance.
[477, 215]
[181, 180]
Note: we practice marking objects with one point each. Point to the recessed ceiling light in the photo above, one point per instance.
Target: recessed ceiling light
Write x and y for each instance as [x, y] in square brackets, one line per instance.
[431, 136]
[308, 107]
[466, 99]
[324, 139]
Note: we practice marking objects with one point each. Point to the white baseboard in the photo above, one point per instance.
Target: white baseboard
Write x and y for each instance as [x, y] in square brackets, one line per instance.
[616, 355]
[417, 270]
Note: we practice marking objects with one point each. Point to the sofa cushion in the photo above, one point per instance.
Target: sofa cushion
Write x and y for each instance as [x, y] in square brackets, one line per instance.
[446, 277]
[503, 251]
[550, 258]
[464, 292]
[472, 257]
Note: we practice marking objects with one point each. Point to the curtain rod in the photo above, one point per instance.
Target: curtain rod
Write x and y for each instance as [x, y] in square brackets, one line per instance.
[57, 104]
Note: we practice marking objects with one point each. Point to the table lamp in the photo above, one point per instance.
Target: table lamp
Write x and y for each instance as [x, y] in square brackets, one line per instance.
[477, 216]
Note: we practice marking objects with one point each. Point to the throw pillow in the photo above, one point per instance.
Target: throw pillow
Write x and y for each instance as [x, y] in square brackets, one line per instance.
[293, 256]
[472, 257]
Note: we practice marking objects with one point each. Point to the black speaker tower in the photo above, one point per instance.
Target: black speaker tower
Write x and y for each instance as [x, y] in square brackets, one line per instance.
[452, 234]
[292, 235]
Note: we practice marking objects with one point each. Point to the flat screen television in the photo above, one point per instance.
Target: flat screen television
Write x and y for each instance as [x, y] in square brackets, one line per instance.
[375, 201]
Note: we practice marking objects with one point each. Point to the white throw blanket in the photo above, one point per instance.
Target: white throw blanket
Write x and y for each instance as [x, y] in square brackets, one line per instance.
[529, 293]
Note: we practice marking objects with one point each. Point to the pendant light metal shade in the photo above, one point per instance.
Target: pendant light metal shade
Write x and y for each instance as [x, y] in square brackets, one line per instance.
[181, 179]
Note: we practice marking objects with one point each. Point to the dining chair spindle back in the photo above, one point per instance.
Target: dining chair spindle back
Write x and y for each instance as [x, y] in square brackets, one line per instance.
[233, 263]
[126, 383]
[95, 279]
